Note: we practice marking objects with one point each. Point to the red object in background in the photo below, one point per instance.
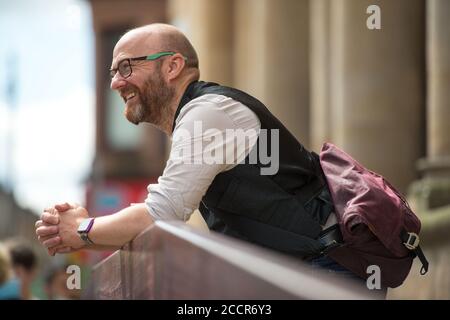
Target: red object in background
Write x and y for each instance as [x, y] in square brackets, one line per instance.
[113, 195]
[109, 197]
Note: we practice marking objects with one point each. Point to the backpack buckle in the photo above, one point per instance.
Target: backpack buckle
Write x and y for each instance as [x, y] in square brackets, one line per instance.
[413, 241]
[330, 238]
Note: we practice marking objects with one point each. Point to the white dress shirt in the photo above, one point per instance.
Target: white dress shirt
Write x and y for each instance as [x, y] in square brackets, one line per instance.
[201, 138]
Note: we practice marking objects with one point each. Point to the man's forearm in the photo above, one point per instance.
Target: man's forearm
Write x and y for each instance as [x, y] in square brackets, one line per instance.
[117, 229]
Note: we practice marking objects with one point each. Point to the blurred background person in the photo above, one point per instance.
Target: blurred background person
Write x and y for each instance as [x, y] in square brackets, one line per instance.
[24, 263]
[9, 287]
[56, 284]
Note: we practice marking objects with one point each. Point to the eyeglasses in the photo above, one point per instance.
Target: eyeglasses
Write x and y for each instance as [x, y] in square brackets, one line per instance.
[124, 66]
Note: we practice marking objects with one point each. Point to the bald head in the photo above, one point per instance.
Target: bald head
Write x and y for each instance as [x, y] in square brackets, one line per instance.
[152, 88]
[159, 37]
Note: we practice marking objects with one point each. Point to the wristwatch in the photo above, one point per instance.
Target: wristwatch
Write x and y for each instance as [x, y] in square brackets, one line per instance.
[84, 228]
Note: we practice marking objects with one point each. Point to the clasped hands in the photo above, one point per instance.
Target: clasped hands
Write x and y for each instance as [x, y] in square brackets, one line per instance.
[57, 228]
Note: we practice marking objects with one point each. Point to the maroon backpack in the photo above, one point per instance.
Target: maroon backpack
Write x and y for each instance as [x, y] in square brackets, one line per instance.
[378, 227]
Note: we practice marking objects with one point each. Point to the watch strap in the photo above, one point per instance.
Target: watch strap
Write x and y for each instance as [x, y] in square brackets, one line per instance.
[88, 223]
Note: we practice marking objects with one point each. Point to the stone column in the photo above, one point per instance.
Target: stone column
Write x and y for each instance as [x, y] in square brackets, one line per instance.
[320, 73]
[434, 190]
[208, 25]
[431, 194]
[377, 92]
[271, 58]
[438, 60]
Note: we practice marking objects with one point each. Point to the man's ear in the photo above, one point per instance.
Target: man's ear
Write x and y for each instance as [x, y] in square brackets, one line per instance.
[175, 66]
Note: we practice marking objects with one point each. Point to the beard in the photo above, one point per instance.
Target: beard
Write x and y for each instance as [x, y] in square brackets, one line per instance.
[152, 102]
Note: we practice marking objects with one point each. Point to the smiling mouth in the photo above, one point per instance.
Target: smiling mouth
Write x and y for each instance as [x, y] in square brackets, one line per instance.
[128, 97]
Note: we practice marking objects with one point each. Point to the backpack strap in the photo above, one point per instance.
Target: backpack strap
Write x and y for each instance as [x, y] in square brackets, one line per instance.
[287, 241]
[411, 242]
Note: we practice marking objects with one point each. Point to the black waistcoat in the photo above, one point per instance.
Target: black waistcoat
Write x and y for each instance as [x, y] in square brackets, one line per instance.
[283, 211]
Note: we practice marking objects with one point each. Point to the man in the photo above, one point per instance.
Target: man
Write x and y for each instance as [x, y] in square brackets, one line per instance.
[280, 202]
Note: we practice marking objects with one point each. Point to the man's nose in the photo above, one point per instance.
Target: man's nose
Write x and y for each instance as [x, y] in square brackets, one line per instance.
[117, 82]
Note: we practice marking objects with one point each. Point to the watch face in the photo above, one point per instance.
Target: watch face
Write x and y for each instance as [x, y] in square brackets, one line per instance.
[84, 225]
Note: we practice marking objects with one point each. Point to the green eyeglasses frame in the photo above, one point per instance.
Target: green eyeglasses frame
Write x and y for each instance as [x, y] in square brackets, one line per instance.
[124, 66]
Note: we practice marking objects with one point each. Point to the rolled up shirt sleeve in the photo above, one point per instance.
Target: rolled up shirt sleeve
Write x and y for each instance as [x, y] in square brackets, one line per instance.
[200, 131]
